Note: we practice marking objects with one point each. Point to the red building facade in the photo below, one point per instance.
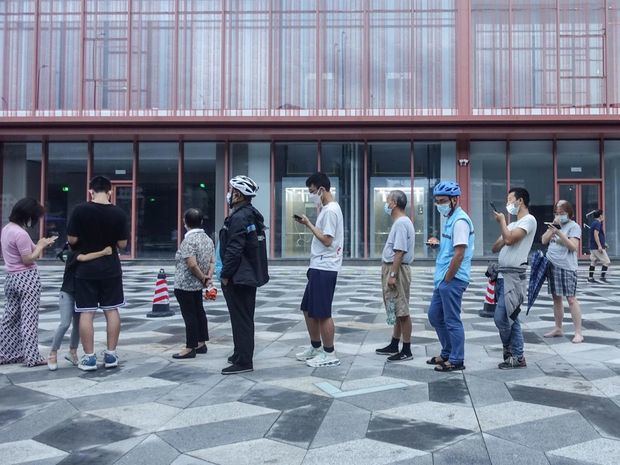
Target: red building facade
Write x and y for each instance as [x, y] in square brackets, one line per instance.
[169, 98]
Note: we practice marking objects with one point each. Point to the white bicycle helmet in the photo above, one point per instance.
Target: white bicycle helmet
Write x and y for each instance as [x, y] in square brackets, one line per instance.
[244, 185]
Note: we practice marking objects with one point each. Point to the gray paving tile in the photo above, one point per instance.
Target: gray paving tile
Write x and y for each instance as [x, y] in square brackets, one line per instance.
[38, 420]
[484, 392]
[298, 426]
[84, 431]
[419, 435]
[543, 434]
[451, 390]
[470, 451]
[504, 452]
[343, 422]
[219, 433]
[151, 451]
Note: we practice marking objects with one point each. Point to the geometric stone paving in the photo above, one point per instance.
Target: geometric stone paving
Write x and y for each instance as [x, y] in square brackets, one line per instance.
[564, 409]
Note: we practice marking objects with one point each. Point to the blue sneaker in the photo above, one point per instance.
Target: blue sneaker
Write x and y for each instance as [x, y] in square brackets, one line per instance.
[88, 363]
[110, 359]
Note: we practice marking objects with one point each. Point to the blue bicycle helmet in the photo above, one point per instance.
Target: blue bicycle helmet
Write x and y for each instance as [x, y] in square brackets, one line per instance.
[449, 188]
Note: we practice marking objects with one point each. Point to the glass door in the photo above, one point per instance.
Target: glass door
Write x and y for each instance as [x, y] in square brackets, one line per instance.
[122, 193]
[585, 197]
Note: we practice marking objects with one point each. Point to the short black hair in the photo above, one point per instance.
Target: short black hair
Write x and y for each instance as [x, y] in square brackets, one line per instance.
[319, 180]
[26, 212]
[400, 198]
[521, 193]
[100, 184]
[597, 214]
[193, 218]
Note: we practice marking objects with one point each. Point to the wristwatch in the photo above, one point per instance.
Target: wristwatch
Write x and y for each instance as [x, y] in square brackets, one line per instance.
[392, 274]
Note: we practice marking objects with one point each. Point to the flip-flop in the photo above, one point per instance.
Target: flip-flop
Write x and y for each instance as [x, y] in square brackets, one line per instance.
[444, 366]
[435, 361]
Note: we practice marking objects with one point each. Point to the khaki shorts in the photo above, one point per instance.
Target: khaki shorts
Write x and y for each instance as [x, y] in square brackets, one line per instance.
[400, 293]
[599, 257]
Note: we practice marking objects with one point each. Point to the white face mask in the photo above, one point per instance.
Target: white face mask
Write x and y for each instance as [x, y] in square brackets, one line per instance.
[512, 208]
[563, 218]
[229, 199]
[315, 197]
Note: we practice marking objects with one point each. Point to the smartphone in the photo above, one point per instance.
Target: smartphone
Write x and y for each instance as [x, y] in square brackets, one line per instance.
[297, 217]
[493, 207]
[552, 224]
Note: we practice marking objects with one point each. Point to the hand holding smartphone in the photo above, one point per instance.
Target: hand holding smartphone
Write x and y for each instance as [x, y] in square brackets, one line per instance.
[552, 224]
[493, 207]
[297, 218]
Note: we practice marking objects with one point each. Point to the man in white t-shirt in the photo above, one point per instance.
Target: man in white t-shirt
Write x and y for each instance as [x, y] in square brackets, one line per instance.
[513, 246]
[325, 263]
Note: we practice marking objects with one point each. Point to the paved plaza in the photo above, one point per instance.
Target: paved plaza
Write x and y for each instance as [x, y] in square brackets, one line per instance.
[563, 409]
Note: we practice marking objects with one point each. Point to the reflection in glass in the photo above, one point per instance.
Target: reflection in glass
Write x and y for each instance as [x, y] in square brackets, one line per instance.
[20, 168]
[488, 184]
[590, 201]
[156, 198]
[390, 168]
[66, 188]
[531, 167]
[199, 180]
[612, 196]
[113, 160]
[294, 162]
[578, 159]
[343, 162]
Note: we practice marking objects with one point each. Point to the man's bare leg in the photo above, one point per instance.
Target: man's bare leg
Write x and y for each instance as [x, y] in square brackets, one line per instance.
[113, 328]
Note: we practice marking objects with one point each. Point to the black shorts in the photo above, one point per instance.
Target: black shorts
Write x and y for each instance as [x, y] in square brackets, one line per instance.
[93, 294]
[319, 293]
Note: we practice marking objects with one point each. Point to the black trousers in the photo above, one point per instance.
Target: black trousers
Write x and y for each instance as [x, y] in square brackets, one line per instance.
[193, 312]
[241, 302]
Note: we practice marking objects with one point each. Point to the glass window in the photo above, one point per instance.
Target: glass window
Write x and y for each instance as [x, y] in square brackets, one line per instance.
[531, 167]
[390, 59]
[66, 187]
[105, 55]
[294, 162]
[254, 160]
[578, 159]
[59, 55]
[247, 48]
[199, 180]
[390, 168]
[342, 57]
[294, 57]
[612, 196]
[157, 199]
[152, 41]
[488, 184]
[431, 161]
[200, 60]
[113, 160]
[343, 162]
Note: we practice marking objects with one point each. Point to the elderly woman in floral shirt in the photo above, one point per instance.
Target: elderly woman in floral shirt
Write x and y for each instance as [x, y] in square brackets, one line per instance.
[195, 262]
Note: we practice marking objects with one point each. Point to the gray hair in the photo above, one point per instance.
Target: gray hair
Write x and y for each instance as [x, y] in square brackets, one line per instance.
[399, 198]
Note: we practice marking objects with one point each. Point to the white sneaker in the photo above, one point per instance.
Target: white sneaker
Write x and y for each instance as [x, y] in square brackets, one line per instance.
[307, 354]
[323, 359]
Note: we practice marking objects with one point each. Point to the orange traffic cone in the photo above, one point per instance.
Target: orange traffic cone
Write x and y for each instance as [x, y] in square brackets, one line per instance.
[488, 311]
[161, 300]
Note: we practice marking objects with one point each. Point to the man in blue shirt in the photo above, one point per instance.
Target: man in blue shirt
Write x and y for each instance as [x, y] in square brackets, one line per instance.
[452, 273]
[598, 254]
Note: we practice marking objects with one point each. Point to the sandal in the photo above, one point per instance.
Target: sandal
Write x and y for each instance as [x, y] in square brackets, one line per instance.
[435, 360]
[447, 366]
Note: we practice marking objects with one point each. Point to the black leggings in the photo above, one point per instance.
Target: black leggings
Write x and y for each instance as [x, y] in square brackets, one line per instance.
[196, 327]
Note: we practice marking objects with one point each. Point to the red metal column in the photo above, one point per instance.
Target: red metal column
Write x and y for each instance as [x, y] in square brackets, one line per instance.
[366, 206]
[272, 206]
[82, 55]
[411, 179]
[507, 166]
[175, 67]
[35, 63]
[463, 57]
[43, 185]
[223, 61]
[90, 163]
[462, 171]
[602, 183]
[180, 181]
[134, 198]
[556, 188]
[129, 70]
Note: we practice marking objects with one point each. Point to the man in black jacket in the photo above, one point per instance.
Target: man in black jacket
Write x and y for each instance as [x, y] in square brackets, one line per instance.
[244, 268]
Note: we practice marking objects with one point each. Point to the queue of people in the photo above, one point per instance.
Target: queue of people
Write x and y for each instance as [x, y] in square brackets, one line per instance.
[98, 230]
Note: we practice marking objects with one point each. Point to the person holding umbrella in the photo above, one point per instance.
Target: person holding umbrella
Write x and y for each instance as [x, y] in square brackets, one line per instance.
[513, 245]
